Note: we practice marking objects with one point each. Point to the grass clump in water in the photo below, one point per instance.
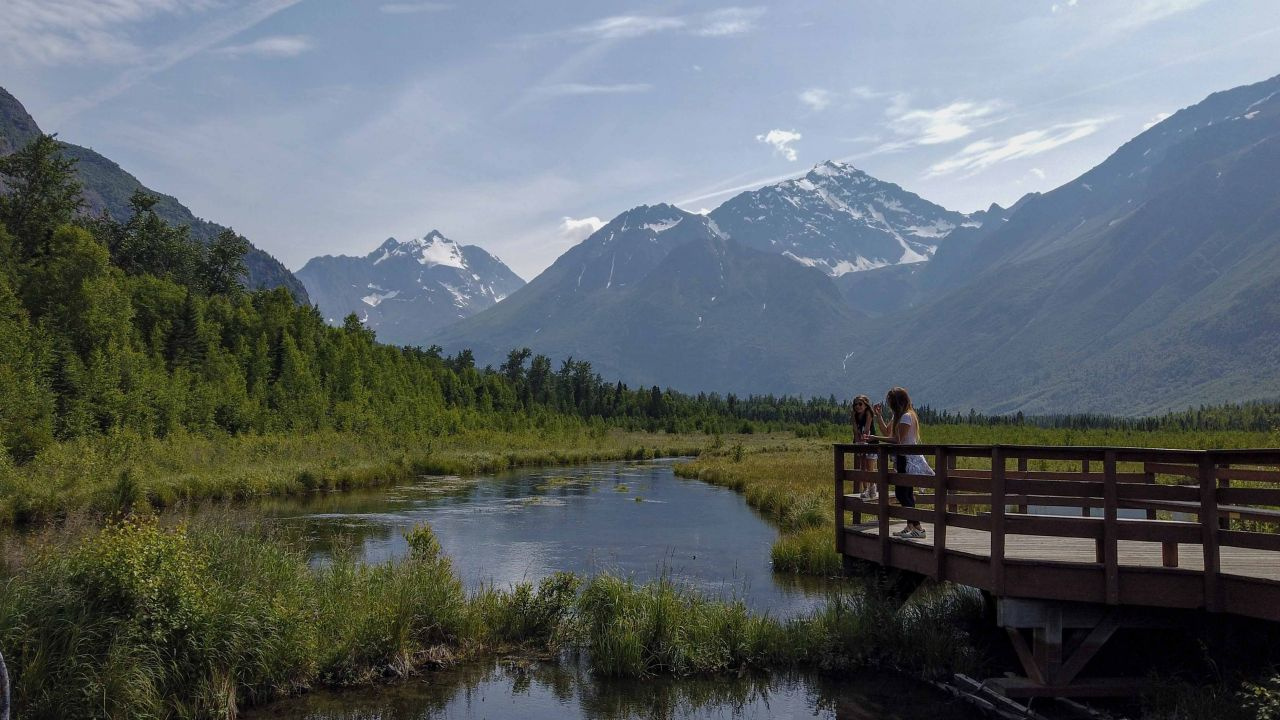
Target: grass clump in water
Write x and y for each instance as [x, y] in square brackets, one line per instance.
[810, 551]
[634, 631]
[536, 619]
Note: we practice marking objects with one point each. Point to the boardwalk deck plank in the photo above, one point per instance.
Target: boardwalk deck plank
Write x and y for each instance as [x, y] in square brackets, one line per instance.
[1243, 562]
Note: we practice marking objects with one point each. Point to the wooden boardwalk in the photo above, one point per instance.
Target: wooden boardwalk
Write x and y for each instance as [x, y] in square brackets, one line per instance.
[1101, 534]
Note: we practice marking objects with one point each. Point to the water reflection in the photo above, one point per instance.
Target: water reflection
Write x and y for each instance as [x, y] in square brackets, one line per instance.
[636, 519]
[534, 691]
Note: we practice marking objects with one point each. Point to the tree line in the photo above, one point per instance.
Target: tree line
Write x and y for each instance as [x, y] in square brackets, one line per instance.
[109, 325]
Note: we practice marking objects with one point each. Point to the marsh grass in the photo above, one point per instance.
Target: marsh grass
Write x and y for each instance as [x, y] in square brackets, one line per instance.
[142, 619]
[659, 628]
[122, 472]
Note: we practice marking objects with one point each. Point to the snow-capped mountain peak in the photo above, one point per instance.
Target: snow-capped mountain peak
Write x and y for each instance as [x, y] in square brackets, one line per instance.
[405, 290]
[839, 219]
[430, 250]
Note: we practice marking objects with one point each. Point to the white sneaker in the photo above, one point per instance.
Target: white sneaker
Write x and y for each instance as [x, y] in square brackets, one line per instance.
[916, 534]
[904, 533]
[869, 495]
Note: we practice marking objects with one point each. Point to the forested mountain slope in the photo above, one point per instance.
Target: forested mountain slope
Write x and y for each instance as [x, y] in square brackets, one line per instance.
[107, 188]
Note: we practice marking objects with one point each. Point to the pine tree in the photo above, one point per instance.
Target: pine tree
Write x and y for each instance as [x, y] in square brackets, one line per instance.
[185, 346]
[223, 265]
[42, 195]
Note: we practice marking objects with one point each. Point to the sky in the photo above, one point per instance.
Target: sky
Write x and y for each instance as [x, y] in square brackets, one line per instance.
[324, 127]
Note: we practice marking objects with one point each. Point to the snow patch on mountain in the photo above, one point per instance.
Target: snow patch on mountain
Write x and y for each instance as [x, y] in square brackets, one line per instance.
[375, 299]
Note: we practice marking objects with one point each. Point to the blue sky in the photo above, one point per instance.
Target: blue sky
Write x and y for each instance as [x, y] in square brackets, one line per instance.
[318, 127]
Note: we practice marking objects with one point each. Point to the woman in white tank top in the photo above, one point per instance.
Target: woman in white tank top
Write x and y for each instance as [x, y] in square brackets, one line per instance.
[905, 431]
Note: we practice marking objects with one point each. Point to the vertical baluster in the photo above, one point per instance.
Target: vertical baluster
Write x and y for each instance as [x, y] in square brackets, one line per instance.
[997, 520]
[941, 462]
[1209, 531]
[1084, 509]
[839, 483]
[882, 508]
[1224, 519]
[1110, 528]
[1022, 469]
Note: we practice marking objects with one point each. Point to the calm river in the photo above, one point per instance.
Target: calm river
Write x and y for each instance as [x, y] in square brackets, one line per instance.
[634, 519]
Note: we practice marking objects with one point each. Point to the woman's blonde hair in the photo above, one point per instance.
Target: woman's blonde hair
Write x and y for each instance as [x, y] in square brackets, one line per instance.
[899, 403]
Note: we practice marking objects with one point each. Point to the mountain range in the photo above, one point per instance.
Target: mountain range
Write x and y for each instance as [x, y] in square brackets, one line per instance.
[107, 188]
[660, 293]
[1149, 283]
[406, 290]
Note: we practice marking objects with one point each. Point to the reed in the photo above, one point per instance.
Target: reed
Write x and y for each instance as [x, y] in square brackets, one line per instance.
[124, 471]
[137, 619]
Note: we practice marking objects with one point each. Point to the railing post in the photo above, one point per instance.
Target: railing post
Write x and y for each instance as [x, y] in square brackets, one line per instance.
[1084, 509]
[1022, 468]
[997, 520]
[941, 462]
[839, 482]
[1209, 531]
[951, 465]
[882, 505]
[1110, 530]
[1168, 550]
[1224, 521]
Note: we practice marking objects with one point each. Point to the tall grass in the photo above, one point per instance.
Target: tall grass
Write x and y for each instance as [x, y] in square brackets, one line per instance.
[632, 630]
[125, 471]
[659, 629]
[139, 620]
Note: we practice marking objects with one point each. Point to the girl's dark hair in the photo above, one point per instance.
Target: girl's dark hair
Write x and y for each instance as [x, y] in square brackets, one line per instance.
[866, 416]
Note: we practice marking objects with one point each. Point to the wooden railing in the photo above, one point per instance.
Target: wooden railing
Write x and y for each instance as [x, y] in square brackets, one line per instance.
[1223, 501]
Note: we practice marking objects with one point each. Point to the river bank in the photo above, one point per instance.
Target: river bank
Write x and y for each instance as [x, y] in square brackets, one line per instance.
[128, 472]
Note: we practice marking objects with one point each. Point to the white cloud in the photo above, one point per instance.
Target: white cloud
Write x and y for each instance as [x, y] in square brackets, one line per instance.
[716, 23]
[53, 32]
[411, 8]
[1118, 22]
[1038, 173]
[817, 99]
[980, 155]
[1138, 13]
[938, 125]
[862, 92]
[589, 89]
[275, 46]
[212, 33]
[781, 141]
[619, 27]
[728, 21]
[1159, 118]
[575, 230]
